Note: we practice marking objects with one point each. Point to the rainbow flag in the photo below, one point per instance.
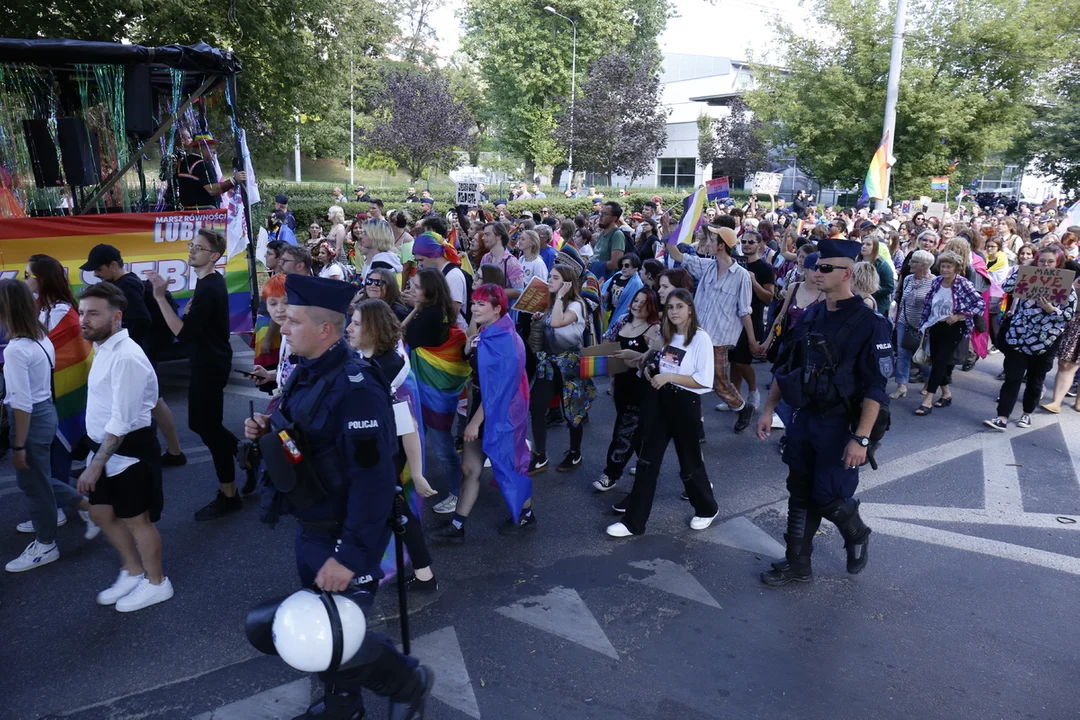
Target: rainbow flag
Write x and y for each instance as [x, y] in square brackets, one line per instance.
[441, 374]
[877, 176]
[595, 366]
[693, 210]
[262, 327]
[73, 358]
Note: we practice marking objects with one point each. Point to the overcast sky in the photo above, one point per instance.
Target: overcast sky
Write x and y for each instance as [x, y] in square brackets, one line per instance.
[728, 28]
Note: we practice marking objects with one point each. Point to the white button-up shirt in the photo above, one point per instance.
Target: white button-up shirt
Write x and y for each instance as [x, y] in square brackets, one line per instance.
[28, 372]
[721, 299]
[121, 392]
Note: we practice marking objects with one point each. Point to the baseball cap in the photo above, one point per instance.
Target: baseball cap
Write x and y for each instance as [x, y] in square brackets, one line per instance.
[727, 235]
[101, 255]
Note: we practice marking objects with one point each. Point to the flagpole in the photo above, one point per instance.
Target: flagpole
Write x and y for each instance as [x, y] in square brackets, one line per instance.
[896, 60]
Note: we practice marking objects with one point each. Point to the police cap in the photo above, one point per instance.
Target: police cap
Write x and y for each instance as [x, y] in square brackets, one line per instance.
[310, 291]
[829, 248]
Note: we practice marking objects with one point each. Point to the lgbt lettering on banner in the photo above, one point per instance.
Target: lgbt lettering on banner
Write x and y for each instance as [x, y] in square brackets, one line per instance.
[146, 241]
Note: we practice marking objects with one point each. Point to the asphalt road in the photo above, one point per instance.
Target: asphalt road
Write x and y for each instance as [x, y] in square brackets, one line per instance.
[966, 610]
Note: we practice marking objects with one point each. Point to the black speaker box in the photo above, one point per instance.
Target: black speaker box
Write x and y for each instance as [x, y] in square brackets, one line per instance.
[79, 152]
[42, 149]
[138, 101]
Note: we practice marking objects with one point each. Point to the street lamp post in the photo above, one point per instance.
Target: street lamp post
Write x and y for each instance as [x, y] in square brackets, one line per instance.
[573, 91]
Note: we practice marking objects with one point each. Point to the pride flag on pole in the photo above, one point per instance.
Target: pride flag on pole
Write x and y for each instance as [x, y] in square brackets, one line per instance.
[693, 209]
[877, 176]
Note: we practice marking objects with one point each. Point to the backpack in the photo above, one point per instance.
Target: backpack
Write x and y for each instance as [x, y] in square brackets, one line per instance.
[160, 335]
[466, 307]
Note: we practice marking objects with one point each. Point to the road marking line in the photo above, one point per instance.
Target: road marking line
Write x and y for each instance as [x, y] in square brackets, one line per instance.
[281, 703]
[970, 516]
[984, 546]
[1002, 481]
[673, 578]
[562, 612]
[441, 651]
[742, 534]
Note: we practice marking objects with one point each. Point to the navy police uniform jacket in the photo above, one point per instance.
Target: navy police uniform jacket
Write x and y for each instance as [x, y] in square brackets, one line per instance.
[860, 343]
[351, 438]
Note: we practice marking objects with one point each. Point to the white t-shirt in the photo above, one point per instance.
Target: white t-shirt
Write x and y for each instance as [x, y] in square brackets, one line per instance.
[455, 279]
[695, 360]
[941, 306]
[332, 271]
[568, 337]
[534, 268]
[51, 318]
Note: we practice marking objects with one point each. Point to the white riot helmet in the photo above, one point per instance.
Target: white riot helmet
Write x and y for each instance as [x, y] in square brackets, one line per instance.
[311, 631]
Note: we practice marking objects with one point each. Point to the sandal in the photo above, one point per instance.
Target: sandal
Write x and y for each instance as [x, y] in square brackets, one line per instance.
[944, 402]
[898, 393]
[923, 411]
[1049, 409]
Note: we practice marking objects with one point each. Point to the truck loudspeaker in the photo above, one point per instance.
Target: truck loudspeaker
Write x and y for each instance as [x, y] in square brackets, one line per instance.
[43, 158]
[79, 152]
[138, 102]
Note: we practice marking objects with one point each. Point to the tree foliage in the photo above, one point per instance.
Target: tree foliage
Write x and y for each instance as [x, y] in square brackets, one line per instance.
[970, 69]
[416, 38]
[1054, 144]
[419, 123]
[619, 124]
[741, 147]
[524, 53]
[707, 149]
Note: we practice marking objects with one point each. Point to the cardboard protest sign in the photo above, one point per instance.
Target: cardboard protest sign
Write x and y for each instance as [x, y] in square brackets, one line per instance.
[718, 188]
[936, 209]
[467, 194]
[597, 360]
[1050, 284]
[534, 298]
[767, 183]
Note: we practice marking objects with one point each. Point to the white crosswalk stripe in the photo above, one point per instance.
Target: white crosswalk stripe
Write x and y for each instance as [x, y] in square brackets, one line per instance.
[673, 578]
[281, 703]
[441, 652]
[742, 534]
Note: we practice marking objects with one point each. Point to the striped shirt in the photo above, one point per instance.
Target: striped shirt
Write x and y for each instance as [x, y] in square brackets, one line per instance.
[721, 301]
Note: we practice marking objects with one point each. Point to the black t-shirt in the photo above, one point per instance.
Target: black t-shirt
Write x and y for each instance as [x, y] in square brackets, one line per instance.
[206, 324]
[136, 316]
[765, 275]
[193, 175]
[429, 328]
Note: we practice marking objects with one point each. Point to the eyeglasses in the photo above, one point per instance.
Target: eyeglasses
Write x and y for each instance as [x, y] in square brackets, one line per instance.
[825, 268]
[192, 247]
[29, 276]
[373, 282]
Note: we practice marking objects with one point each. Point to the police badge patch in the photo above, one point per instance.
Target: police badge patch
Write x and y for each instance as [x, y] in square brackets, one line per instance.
[885, 365]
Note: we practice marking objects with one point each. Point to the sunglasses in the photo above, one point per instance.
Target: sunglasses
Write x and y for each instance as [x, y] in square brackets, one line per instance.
[373, 282]
[825, 268]
[28, 276]
[626, 266]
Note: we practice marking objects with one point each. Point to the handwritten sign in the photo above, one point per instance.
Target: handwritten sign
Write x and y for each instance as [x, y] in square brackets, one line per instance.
[533, 298]
[767, 183]
[467, 194]
[1049, 284]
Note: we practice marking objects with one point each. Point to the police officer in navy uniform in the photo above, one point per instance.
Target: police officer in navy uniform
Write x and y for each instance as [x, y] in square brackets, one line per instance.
[339, 456]
[832, 368]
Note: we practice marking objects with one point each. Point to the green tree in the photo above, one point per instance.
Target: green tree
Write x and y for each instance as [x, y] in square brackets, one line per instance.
[1054, 143]
[969, 72]
[707, 149]
[524, 54]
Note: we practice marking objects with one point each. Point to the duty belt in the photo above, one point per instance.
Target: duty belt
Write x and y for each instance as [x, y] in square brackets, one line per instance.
[332, 528]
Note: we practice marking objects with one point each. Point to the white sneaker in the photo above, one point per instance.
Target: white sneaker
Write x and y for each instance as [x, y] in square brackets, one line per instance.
[447, 506]
[92, 529]
[124, 584]
[34, 556]
[754, 399]
[618, 530]
[28, 525]
[144, 595]
[777, 423]
[723, 407]
[700, 523]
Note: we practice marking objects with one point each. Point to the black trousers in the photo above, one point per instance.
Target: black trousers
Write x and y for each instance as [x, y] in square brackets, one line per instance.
[206, 410]
[626, 433]
[539, 400]
[676, 419]
[1023, 368]
[413, 539]
[944, 338]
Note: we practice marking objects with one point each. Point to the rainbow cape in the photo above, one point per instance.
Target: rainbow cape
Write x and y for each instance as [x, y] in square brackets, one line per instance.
[73, 358]
[410, 393]
[504, 388]
[440, 374]
[262, 327]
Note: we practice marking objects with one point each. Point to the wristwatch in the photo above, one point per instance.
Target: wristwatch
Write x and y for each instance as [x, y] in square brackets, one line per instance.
[863, 441]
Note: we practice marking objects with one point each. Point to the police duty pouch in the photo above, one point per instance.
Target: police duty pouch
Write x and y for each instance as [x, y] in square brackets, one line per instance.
[291, 468]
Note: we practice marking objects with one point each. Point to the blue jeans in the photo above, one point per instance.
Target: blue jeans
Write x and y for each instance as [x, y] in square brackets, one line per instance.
[441, 443]
[43, 493]
[903, 357]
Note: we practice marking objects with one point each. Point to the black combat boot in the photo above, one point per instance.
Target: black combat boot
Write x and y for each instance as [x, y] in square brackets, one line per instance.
[336, 704]
[845, 514]
[390, 674]
[803, 523]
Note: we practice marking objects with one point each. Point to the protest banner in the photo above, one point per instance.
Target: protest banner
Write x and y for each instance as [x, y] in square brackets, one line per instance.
[718, 188]
[146, 241]
[467, 194]
[534, 298]
[767, 183]
[1050, 284]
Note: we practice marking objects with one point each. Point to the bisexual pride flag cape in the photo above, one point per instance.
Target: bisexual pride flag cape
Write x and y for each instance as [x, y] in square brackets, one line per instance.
[504, 390]
[73, 358]
[440, 373]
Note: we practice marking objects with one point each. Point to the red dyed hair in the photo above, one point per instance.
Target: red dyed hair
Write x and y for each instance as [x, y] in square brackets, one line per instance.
[274, 287]
[652, 301]
[492, 293]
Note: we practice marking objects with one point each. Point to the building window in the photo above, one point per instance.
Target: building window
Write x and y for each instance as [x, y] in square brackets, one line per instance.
[676, 172]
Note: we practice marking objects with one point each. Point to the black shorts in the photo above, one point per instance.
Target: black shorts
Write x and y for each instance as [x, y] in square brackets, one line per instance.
[740, 353]
[130, 493]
